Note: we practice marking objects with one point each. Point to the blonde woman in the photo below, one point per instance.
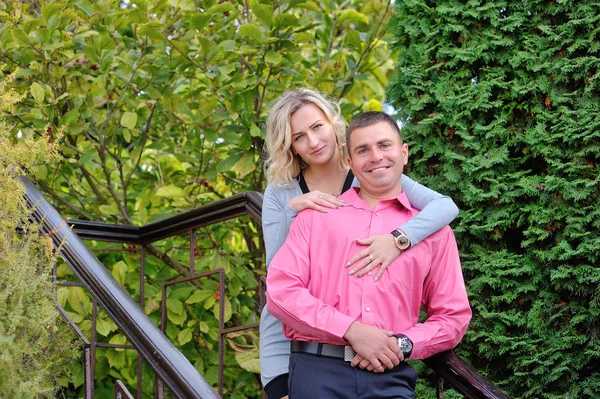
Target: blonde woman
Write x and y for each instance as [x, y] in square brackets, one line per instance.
[306, 168]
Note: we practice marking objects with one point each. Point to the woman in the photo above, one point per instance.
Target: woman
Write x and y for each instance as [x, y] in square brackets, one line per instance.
[307, 168]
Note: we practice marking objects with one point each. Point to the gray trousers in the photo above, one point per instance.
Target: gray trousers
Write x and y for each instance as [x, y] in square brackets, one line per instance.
[323, 377]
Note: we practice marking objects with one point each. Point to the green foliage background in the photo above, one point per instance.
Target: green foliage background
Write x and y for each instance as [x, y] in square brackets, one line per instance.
[36, 345]
[163, 105]
[500, 104]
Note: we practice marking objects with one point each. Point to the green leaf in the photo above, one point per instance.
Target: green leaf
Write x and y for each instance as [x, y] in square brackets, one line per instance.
[309, 5]
[129, 119]
[103, 327]
[228, 163]
[199, 296]
[273, 58]
[50, 10]
[151, 30]
[250, 30]
[220, 8]
[79, 300]
[119, 271]
[246, 164]
[354, 16]
[263, 12]
[353, 38]
[226, 309]
[227, 45]
[37, 91]
[249, 360]
[178, 319]
[175, 305]
[285, 20]
[170, 191]
[184, 336]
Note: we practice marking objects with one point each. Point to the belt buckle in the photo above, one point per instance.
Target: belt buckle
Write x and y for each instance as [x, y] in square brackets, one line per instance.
[349, 353]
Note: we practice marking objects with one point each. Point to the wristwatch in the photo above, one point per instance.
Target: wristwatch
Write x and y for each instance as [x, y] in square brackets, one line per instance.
[401, 239]
[405, 345]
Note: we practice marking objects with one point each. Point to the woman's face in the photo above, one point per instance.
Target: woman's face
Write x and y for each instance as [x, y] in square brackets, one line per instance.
[313, 137]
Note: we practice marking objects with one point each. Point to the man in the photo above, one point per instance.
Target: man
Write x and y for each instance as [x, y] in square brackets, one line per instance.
[325, 312]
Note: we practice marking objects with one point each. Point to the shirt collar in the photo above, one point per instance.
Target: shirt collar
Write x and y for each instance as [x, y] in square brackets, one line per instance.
[353, 199]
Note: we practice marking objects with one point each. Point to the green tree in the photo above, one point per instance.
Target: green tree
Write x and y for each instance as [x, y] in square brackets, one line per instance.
[163, 105]
[500, 106]
[36, 348]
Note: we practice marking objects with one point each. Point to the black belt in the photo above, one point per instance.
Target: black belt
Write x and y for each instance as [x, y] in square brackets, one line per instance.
[316, 348]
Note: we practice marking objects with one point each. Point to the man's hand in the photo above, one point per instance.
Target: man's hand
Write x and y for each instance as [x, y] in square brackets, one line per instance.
[374, 345]
[363, 363]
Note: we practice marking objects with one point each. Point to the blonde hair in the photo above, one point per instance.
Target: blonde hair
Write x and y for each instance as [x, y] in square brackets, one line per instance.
[282, 166]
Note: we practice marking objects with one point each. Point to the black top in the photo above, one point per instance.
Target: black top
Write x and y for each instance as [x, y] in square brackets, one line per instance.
[345, 187]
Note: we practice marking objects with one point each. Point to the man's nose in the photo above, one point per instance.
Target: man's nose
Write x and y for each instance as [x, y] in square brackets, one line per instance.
[376, 155]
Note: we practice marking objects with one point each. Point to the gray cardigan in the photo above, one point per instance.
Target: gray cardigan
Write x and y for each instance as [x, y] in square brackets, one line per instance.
[436, 212]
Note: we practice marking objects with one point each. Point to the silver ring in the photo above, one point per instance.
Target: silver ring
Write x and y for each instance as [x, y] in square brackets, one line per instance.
[322, 196]
[371, 259]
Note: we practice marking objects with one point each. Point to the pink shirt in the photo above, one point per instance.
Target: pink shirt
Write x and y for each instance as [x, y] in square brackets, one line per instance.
[310, 291]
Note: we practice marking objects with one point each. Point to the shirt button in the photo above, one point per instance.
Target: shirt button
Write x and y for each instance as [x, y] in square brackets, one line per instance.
[369, 273]
[368, 309]
[377, 213]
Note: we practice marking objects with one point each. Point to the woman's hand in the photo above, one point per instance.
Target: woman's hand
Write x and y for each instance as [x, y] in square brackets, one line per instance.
[316, 200]
[382, 251]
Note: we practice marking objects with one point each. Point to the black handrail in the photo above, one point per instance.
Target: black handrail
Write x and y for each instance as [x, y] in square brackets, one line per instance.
[170, 365]
[447, 365]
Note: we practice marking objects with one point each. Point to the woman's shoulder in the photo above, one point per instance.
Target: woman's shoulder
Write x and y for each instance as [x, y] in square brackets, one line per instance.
[282, 190]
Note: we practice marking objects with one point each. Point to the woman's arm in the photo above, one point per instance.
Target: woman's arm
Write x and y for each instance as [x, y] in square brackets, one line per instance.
[437, 210]
[277, 218]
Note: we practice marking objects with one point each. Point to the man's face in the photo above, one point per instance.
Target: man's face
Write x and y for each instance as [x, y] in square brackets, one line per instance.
[377, 159]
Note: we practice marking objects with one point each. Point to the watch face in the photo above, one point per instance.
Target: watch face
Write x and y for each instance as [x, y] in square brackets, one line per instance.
[402, 241]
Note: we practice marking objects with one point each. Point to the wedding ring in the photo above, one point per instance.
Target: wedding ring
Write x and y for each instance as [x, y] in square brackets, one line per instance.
[322, 196]
[370, 258]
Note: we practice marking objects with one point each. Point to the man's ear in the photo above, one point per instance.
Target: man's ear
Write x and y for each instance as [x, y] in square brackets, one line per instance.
[405, 153]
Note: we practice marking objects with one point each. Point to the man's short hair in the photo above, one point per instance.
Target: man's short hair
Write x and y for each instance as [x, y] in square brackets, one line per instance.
[369, 119]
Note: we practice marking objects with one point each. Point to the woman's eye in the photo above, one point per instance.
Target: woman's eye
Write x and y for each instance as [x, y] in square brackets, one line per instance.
[317, 127]
[298, 137]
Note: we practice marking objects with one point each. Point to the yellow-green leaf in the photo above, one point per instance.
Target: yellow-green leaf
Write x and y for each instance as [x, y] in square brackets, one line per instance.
[353, 38]
[273, 58]
[248, 360]
[37, 91]
[184, 336]
[199, 296]
[246, 164]
[175, 305]
[309, 5]
[118, 339]
[354, 16]
[373, 105]
[263, 12]
[250, 30]
[170, 191]
[129, 119]
[119, 271]
[226, 309]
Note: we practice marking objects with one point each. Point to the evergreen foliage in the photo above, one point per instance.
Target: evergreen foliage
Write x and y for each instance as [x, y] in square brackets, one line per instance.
[500, 104]
[35, 345]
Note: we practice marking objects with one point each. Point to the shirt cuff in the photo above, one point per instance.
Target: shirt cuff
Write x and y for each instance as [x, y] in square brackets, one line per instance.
[338, 324]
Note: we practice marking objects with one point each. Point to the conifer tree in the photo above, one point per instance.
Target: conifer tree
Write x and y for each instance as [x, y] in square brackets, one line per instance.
[500, 103]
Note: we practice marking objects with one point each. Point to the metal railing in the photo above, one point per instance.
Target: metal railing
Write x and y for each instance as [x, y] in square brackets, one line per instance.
[169, 364]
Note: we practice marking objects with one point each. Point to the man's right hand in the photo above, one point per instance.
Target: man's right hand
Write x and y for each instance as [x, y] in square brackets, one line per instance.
[374, 345]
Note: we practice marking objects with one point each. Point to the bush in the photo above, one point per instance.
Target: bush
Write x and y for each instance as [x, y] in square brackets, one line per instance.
[35, 346]
[500, 106]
